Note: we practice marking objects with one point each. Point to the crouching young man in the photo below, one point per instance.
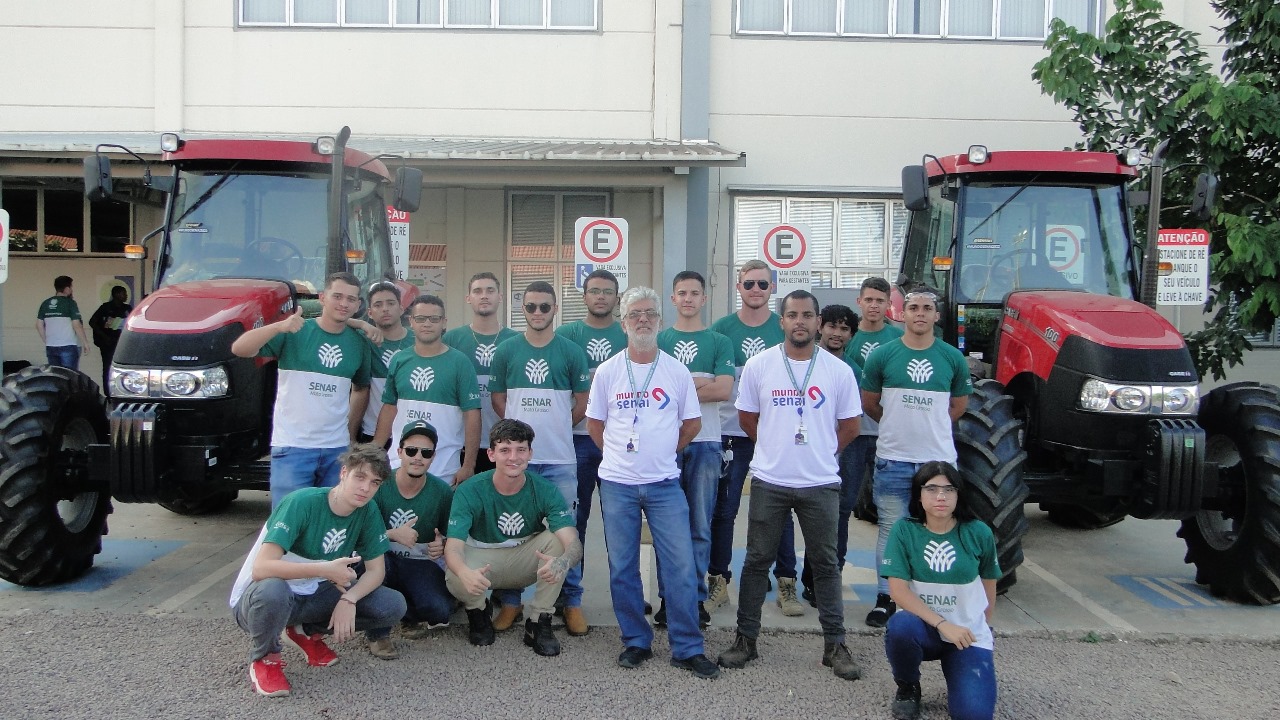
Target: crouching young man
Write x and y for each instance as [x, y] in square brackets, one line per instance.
[300, 578]
[509, 529]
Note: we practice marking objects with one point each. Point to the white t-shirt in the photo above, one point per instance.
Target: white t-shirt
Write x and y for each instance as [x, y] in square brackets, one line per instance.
[830, 395]
[649, 416]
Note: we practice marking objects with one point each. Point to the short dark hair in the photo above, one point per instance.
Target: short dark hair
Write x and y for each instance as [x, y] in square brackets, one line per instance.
[383, 286]
[367, 455]
[343, 277]
[509, 430]
[121, 290]
[62, 282]
[688, 275]
[602, 274]
[486, 275]
[875, 283]
[927, 472]
[797, 295]
[542, 286]
[836, 314]
[425, 300]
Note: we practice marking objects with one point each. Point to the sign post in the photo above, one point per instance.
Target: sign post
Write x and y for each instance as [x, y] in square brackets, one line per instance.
[398, 225]
[601, 244]
[1188, 251]
[4, 245]
[785, 249]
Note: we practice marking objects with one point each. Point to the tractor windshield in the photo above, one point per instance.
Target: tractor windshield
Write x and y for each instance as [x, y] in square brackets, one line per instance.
[1015, 236]
[249, 222]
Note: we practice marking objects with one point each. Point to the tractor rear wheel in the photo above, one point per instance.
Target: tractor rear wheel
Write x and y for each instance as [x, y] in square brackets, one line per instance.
[1236, 549]
[1086, 517]
[991, 458]
[51, 518]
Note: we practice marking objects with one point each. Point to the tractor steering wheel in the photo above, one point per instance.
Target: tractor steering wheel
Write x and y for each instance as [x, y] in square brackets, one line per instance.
[287, 255]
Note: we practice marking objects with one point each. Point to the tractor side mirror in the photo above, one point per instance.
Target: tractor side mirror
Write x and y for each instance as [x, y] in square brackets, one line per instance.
[97, 177]
[915, 187]
[408, 189]
[1205, 194]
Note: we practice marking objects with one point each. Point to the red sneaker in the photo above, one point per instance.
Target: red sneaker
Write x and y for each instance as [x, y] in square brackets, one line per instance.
[267, 676]
[318, 654]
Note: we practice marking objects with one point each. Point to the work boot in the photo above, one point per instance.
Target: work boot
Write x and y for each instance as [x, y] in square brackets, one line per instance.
[704, 617]
[575, 623]
[481, 632]
[879, 615]
[739, 654]
[717, 592]
[787, 601]
[660, 617]
[508, 615]
[538, 635]
[837, 657]
[383, 648]
[808, 596]
[906, 702]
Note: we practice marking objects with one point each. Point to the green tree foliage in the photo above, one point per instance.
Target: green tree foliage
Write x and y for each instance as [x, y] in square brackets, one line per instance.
[1148, 80]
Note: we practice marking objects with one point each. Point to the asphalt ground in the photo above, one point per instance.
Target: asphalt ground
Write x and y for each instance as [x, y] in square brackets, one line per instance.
[1105, 623]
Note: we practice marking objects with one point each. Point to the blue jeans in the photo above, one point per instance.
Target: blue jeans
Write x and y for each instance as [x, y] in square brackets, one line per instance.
[293, 468]
[892, 493]
[589, 458]
[67, 356]
[664, 506]
[421, 581]
[728, 501]
[853, 467]
[268, 606]
[564, 478]
[970, 673]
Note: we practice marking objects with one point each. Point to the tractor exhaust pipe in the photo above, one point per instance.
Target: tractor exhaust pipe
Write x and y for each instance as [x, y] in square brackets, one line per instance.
[1151, 256]
[336, 259]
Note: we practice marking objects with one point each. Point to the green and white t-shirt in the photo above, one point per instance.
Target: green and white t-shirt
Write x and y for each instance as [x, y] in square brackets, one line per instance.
[427, 512]
[58, 312]
[707, 354]
[599, 345]
[438, 390]
[480, 349]
[308, 531]
[483, 517]
[313, 395]
[946, 571]
[382, 355]
[856, 352]
[747, 342]
[916, 387]
[540, 383]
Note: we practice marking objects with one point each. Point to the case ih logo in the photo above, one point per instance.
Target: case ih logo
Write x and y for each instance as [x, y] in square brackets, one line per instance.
[421, 378]
[330, 355]
[686, 351]
[919, 370]
[599, 349]
[752, 347]
[537, 371]
[484, 354]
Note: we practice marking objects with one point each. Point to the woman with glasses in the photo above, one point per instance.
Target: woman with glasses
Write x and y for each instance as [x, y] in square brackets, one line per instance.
[942, 570]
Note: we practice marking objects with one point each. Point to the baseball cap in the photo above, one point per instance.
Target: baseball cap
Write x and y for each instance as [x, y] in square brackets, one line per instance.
[419, 428]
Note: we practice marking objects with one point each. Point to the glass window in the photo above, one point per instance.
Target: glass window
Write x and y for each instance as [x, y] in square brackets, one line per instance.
[63, 221]
[24, 225]
[417, 12]
[866, 17]
[919, 17]
[520, 13]
[813, 16]
[315, 12]
[366, 12]
[109, 226]
[970, 18]
[542, 246]
[515, 14]
[977, 19]
[263, 11]
[1022, 18]
[761, 15]
[573, 13]
[1081, 14]
[468, 12]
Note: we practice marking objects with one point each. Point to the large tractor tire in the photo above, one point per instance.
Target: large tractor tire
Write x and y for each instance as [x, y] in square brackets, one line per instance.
[1236, 550]
[51, 520]
[991, 458]
[1086, 517]
[207, 505]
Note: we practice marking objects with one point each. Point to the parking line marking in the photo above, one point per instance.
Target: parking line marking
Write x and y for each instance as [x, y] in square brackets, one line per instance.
[182, 598]
[1176, 585]
[1094, 608]
[1154, 586]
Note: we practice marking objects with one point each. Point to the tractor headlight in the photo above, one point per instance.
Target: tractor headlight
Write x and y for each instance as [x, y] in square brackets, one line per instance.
[1130, 399]
[180, 383]
[1101, 396]
[195, 384]
[1181, 399]
[1094, 395]
[132, 382]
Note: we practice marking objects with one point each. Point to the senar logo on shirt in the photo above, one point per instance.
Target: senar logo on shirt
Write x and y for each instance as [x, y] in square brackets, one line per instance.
[537, 370]
[421, 378]
[686, 351]
[330, 355]
[484, 354]
[815, 394]
[599, 349]
[866, 349]
[402, 517]
[920, 370]
[511, 524]
[334, 540]
[752, 346]
[939, 555]
[388, 354]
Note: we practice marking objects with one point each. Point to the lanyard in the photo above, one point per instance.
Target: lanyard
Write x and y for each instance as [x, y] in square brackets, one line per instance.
[635, 419]
[786, 363]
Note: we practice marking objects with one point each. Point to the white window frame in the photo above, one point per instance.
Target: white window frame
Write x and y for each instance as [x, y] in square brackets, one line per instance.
[493, 24]
[1099, 11]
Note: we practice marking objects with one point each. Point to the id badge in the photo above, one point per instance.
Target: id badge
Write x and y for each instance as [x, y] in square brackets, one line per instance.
[802, 435]
[633, 443]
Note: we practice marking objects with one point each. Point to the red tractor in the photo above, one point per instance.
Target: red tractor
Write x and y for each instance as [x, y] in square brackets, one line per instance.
[1085, 399]
[251, 230]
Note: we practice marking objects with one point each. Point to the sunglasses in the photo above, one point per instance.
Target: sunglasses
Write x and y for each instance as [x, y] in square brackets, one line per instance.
[536, 307]
[411, 451]
[753, 284]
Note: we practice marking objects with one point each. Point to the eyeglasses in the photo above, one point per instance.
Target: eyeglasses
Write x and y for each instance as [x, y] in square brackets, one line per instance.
[753, 284]
[412, 451]
[607, 292]
[646, 314]
[433, 319]
[944, 490]
[537, 307]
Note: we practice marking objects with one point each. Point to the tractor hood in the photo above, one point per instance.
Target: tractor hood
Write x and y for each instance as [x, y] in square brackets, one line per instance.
[201, 307]
[1055, 315]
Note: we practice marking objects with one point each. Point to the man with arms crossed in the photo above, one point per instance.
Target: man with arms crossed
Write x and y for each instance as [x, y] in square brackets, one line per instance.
[801, 406]
[642, 413]
[300, 578]
[510, 528]
[324, 372]
[542, 379]
[915, 387]
[384, 312]
[478, 340]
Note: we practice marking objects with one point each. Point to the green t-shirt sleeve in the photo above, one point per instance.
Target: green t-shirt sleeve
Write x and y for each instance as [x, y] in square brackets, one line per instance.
[498, 368]
[373, 534]
[894, 563]
[552, 506]
[961, 384]
[389, 393]
[461, 513]
[365, 371]
[988, 561]
[873, 372]
[274, 347]
[468, 389]
[444, 506]
[284, 524]
[723, 356]
[579, 370]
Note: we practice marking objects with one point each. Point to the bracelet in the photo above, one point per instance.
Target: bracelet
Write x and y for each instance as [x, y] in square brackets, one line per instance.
[347, 599]
[935, 625]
